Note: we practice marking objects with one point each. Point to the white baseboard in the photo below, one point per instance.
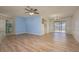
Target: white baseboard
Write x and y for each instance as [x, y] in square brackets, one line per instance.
[28, 33]
[34, 33]
[20, 33]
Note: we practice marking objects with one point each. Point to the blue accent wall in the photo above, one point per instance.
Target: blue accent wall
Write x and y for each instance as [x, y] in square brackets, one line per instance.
[28, 24]
[33, 24]
[20, 25]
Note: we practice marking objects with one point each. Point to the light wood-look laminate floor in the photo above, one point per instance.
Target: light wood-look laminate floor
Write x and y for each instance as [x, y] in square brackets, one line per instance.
[51, 42]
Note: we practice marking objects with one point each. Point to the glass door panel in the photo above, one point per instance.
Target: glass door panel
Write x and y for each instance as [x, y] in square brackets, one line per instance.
[59, 26]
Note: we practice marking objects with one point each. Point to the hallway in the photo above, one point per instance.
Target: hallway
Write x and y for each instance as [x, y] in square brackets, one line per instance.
[51, 42]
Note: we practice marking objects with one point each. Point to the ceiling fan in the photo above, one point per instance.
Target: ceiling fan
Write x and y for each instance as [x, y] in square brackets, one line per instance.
[31, 11]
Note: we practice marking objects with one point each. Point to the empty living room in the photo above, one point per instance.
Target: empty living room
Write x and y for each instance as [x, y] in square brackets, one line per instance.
[39, 28]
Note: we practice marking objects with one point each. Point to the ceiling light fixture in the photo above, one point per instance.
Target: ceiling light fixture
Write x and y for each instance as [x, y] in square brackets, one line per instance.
[31, 11]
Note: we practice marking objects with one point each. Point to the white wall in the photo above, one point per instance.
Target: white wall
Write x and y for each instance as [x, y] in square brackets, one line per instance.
[2, 25]
[47, 28]
[68, 25]
[75, 25]
[2, 28]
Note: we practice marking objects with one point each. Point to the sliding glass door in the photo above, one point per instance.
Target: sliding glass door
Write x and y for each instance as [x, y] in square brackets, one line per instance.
[59, 26]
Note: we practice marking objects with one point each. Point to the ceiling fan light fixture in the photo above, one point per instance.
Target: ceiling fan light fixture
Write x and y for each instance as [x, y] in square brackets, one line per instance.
[31, 13]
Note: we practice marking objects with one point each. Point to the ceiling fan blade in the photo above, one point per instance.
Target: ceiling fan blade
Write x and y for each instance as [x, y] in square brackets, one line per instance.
[28, 9]
[36, 12]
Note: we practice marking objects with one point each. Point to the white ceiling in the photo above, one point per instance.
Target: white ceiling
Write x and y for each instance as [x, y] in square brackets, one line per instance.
[45, 11]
